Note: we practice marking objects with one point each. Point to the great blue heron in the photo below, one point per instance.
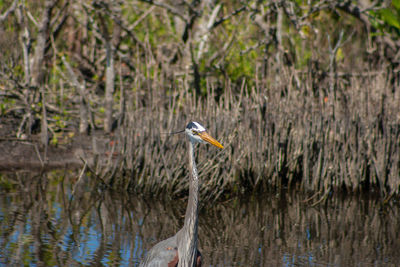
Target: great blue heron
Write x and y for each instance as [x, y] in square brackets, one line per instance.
[181, 249]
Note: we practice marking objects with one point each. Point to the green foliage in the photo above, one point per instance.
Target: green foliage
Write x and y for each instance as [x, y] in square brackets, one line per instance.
[59, 122]
[6, 105]
[390, 17]
[5, 184]
[54, 140]
[241, 66]
[18, 71]
[387, 20]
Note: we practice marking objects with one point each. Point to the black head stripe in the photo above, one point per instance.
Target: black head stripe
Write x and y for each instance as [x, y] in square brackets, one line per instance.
[191, 125]
[195, 126]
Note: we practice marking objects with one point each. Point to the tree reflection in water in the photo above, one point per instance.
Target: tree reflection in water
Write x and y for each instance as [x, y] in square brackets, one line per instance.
[59, 219]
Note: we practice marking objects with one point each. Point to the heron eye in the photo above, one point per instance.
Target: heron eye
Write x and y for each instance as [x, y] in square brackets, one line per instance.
[195, 132]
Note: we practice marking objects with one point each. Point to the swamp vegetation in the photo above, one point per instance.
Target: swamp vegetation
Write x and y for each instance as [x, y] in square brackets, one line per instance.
[303, 94]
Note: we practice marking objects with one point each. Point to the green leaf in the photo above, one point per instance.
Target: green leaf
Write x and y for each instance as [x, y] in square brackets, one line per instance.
[396, 4]
[390, 18]
[54, 141]
[339, 55]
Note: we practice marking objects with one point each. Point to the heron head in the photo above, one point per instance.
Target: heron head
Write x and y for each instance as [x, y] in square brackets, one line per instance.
[198, 134]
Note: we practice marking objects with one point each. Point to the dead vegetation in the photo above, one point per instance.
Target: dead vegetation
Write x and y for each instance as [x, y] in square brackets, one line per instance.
[275, 138]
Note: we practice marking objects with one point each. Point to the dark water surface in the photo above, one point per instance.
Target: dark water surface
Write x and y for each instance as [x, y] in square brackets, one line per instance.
[59, 219]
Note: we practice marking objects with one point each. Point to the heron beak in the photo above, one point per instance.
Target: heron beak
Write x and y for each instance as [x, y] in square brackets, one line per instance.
[209, 139]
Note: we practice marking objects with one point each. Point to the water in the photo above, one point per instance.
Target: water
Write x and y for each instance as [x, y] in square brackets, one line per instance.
[59, 219]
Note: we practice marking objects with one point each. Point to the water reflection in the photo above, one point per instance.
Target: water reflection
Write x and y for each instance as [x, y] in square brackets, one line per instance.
[65, 219]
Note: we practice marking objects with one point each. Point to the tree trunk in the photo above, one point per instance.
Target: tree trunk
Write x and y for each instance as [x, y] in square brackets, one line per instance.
[110, 74]
[42, 39]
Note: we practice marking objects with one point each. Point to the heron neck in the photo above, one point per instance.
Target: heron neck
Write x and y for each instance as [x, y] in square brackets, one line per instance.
[187, 249]
[193, 201]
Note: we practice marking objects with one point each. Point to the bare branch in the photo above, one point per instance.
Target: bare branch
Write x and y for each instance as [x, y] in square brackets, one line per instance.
[8, 11]
[30, 16]
[140, 19]
[110, 72]
[119, 22]
[60, 13]
[169, 8]
[85, 112]
[207, 29]
[234, 13]
[25, 40]
[42, 38]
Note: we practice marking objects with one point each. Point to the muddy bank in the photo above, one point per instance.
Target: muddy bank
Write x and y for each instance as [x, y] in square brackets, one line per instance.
[29, 154]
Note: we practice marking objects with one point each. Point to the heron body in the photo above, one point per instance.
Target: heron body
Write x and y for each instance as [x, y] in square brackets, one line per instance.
[181, 249]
